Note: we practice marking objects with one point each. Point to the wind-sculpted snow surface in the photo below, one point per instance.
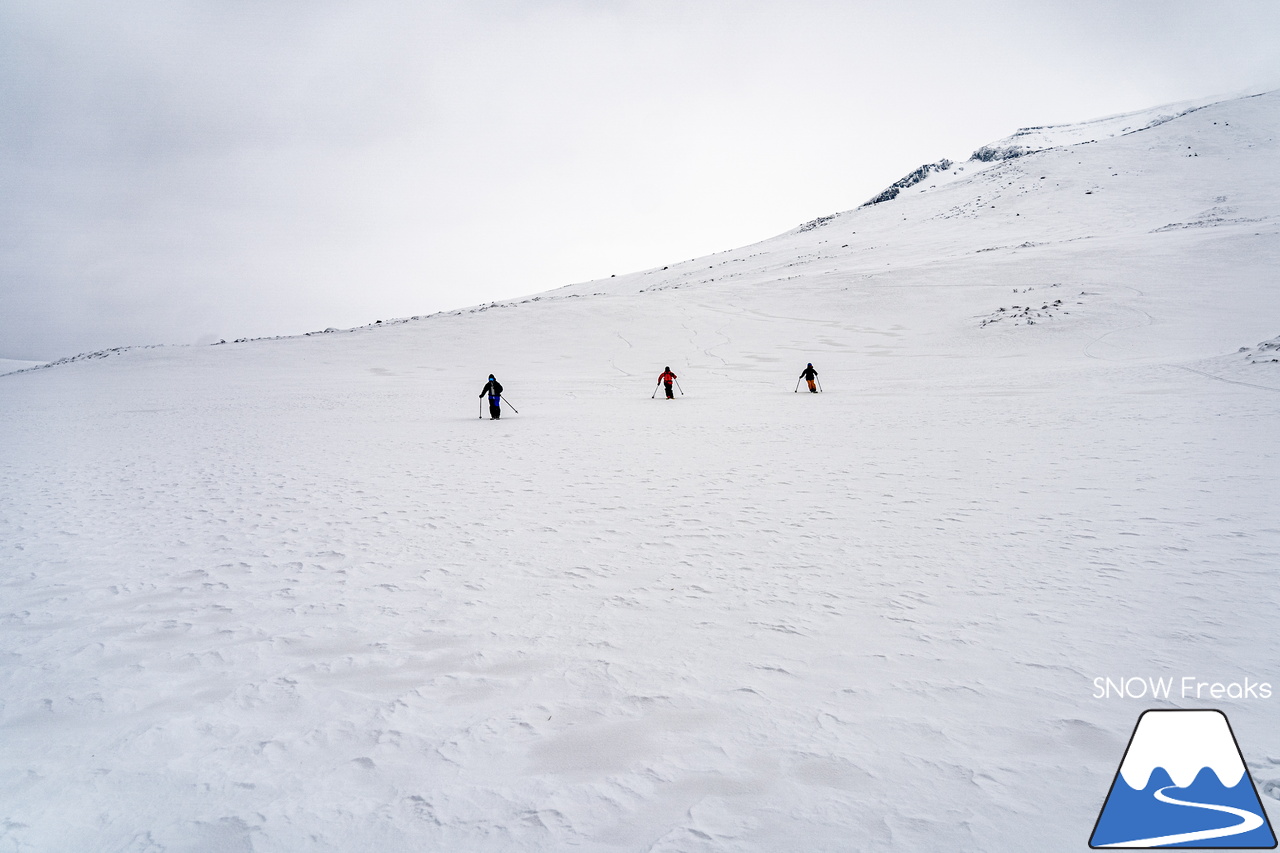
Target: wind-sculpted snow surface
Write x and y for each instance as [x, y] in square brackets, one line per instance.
[297, 595]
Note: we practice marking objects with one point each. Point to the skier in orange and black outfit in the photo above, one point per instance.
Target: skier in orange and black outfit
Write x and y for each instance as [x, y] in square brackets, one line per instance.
[809, 374]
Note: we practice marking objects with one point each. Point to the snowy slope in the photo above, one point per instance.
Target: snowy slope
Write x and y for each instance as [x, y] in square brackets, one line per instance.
[11, 365]
[296, 595]
[1028, 139]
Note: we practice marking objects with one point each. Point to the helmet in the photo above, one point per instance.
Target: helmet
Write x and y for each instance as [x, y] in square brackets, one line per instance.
[667, 368]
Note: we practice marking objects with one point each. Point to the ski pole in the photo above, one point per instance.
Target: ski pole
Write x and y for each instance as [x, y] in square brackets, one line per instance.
[797, 391]
[482, 408]
[655, 390]
[508, 402]
[819, 381]
[678, 386]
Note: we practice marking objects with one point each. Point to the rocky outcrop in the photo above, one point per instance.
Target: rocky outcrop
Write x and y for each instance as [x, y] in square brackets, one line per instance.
[909, 180]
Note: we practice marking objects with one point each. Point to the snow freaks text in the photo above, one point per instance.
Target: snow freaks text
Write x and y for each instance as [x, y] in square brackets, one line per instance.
[1186, 687]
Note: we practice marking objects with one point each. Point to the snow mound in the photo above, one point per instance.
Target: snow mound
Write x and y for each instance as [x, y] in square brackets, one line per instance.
[72, 359]
[1265, 352]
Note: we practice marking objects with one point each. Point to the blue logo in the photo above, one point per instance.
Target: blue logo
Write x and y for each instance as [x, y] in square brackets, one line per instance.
[1183, 783]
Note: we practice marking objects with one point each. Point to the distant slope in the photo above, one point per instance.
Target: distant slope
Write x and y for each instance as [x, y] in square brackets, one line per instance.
[9, 365]
[1029, 139]
[1187, 210]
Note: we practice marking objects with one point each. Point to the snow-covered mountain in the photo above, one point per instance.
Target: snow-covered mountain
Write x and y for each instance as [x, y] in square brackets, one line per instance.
[1030, 139]
[301, 594]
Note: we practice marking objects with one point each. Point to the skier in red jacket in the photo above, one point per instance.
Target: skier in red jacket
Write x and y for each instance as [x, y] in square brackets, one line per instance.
[666, 379]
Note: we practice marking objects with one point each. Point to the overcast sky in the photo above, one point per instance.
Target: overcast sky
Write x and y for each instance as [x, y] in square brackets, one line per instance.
[175, 171]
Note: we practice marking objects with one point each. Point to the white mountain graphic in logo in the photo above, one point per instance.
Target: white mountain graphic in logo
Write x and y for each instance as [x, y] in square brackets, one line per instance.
[1183, 783]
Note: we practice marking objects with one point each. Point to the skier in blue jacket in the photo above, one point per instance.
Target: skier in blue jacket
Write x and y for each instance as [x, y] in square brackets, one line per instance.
[494, 389]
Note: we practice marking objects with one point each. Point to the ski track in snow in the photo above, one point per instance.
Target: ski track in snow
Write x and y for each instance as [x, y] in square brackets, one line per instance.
[293, 595]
